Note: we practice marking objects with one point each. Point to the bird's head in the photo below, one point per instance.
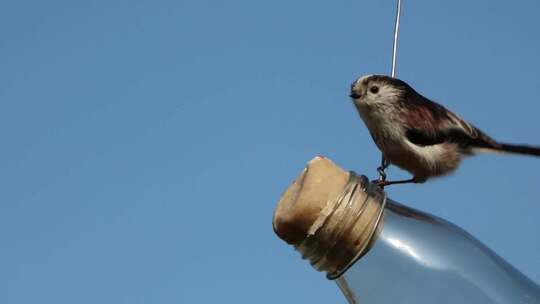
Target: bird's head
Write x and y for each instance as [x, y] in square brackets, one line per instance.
[377, 90]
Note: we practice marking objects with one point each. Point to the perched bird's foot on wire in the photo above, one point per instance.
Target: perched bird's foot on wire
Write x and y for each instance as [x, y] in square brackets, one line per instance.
[381, 170]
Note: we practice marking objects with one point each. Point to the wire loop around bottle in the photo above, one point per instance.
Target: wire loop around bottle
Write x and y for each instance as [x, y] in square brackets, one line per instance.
[369, 189]
[345, 228]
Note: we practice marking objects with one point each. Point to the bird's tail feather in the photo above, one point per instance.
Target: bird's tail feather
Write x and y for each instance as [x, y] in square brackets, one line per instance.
[517, 149]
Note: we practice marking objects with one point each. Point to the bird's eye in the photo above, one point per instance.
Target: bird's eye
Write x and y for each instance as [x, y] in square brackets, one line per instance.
[374, 89]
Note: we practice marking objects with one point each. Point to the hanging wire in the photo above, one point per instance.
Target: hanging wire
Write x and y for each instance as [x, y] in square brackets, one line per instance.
[384, 164]
[396, 32]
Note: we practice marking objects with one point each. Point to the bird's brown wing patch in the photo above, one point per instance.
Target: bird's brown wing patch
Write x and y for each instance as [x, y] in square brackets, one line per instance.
[421, 138]
[429, 123]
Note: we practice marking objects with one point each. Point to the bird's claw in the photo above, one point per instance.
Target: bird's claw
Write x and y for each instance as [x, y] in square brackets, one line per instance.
[380, 182]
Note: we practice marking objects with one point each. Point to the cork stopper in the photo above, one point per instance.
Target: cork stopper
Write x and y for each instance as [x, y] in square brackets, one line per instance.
[306, 197]
[329, 215]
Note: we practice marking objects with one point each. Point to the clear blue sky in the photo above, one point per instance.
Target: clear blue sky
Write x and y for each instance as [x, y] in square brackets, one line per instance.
[144, 144]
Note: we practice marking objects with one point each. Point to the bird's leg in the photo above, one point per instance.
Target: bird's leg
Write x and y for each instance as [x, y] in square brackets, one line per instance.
[383, 183]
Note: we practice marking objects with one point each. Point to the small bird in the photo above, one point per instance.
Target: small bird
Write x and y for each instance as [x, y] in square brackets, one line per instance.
[417, 134]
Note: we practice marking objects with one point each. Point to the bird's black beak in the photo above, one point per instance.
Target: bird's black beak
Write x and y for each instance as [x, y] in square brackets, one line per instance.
[354, 95]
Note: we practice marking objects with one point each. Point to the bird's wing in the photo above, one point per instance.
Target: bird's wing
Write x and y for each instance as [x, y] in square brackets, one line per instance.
[429, 123]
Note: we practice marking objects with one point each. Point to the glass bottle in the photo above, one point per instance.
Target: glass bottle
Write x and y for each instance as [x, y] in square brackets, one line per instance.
[419, 258]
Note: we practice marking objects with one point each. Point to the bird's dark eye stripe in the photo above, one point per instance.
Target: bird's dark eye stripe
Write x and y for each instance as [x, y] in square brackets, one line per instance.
[374, 89]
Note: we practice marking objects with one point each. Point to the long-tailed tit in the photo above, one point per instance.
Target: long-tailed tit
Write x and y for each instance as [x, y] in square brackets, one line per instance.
[417, 134]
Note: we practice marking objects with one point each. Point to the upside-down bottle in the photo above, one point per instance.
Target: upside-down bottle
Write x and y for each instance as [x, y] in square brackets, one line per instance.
[380, 251]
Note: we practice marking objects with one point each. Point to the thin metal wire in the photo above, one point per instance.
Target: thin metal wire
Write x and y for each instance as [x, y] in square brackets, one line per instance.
[396, 33]
[384, 164]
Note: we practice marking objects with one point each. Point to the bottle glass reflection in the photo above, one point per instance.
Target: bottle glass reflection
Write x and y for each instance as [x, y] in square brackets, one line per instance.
[418, 258]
